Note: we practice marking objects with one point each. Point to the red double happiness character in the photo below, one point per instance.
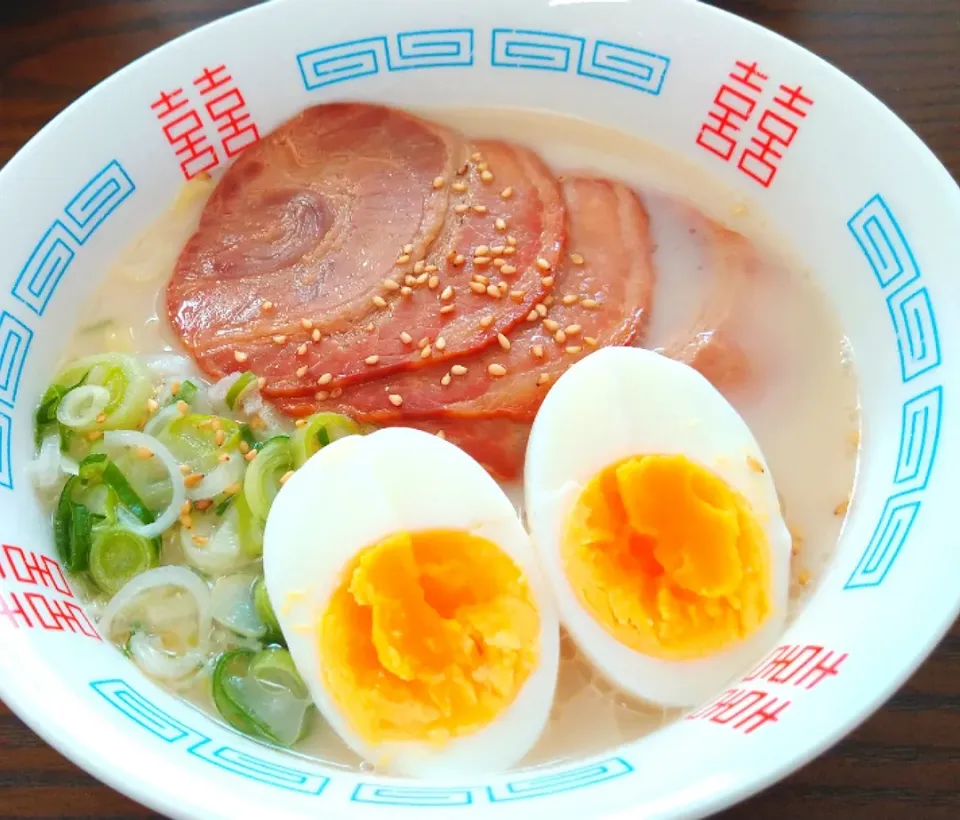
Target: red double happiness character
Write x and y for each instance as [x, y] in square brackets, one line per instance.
[228, 110]
[185, 133]
[733, 106]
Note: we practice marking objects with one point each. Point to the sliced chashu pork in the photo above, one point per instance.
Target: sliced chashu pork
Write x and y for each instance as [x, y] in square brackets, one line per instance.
[601, 297]
[304, 228]
[504, 233]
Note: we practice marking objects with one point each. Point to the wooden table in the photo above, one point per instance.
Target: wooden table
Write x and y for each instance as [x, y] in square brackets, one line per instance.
[905, 761]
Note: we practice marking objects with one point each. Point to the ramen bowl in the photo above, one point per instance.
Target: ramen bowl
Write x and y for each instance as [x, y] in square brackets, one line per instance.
[792, 143]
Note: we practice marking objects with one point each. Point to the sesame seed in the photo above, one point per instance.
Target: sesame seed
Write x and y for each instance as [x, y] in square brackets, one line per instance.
[458, 260]
[240, 356]
[242, 446]
[508, 270]
[408, 249]
[496, 250]
[560, 337]
[302, 371]
[504, 341]
[572, 330]
[372, 359]
[502, 287]
[144, 452]
[186, 522]
[101, 418]
[215, 423]
[441, 435]
[185, 507]
[538, 351]
[803, 578]
[497, 370]
[493, 292]
[422, 278]
[433, 282]
[152, 405]
[573, 349]
[571, 299]
[511, 240]
[426, 353]
[389, 284]
[438, 183]
[506, 193]
[543, 264]
[185, 469]
[251, 455]
[499, 262]
[410, 280]
[548, 300]
[547, 281]
[183, 408]
[517, 295]
[315, 336]
[326, 378]
[486, 321]
[447, 309]
[395, 400]
[576, 258]
[223, 458]
[481, 250]
[279, 340]
[486, 176]
[420, 267]
[478, 287]
[441, 343]
[203, 504]
[306, 324]
[219, 437]
[451, 256]
[406, 338]
[267, 305]
[405, 291]
[590, 341]
[323, 395]
[481, 261]
[459, 187]
[480, 209]
[533, 316]
[541, 310]
[509, 250]
[423, 342]
[477, 157]
[192, 480]
[379, 302]
[458, 370]
[589, 303]
[461, 209]
[286, 477]
[261, 382]
[551, 325]
[302, 350]
[336, 393]
[446, 379]
[403, 259]
[544, 378]
[200, 540]
[298, 423]
[482, 167]
[447, 293]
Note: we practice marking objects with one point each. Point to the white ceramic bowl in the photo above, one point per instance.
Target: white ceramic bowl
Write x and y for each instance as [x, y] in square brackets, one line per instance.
[872, 211]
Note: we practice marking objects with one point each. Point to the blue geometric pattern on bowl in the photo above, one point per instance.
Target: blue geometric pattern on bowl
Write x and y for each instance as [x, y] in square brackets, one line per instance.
[510, 48]
[599, 60]
[440, 48]
[123, 697]
[895, 268]
[15, 338]
[6, 467]
[55, 251]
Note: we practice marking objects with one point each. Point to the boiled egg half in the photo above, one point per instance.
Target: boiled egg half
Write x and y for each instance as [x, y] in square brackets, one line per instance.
[658, 524]
[413, 605]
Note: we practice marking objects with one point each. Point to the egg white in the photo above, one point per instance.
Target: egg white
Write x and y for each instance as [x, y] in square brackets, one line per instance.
[621, 402]
[357, 491]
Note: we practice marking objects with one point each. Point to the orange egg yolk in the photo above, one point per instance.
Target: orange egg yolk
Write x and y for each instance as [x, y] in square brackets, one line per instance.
[667, 557]
[429, 637]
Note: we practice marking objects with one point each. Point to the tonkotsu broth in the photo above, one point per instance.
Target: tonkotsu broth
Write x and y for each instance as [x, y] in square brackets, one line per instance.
[801, 401]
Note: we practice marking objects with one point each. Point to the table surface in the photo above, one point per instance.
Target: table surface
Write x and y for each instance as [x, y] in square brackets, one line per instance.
[902, 763]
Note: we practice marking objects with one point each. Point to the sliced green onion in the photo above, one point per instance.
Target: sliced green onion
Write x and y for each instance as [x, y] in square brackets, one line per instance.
[247, 436]
[127, 381]
[318, 432]
[97, 468]
[193, 440]
[47, 411]
[83, 406]
[117, 555]
[72, 529]
[261, 694]
[249, 527]
[239, 387]
[262, 481]
[261, 600]
[188, 392]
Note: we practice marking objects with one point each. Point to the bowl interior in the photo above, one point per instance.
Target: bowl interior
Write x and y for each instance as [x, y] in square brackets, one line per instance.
[876, 233]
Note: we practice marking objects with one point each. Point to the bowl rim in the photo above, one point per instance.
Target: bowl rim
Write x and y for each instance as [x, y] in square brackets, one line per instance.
[720, 795]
